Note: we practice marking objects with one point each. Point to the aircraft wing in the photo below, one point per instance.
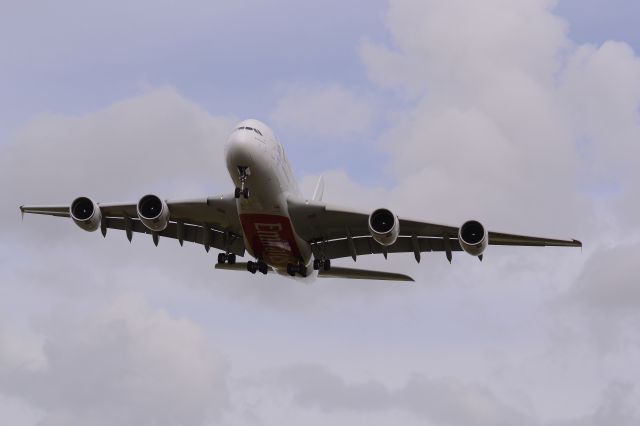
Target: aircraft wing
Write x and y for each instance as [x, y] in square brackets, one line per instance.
[212, 222]
[335, 232]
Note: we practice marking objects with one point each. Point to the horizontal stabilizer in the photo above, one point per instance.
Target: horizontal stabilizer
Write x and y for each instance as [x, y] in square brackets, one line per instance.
[362, 274]
[238, 266]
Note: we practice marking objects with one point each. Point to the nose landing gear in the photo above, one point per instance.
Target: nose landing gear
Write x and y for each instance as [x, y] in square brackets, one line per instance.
[243, 190]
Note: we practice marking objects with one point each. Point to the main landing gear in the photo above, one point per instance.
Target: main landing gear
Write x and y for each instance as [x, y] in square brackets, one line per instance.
[243, 190]
[296, 269]
[320, 264]
[229, 258]
[254, 267]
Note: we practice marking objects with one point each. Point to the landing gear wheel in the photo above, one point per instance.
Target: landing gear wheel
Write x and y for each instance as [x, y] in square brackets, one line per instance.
[252, 267]
[244, 192]
[231, 258]
[262, 267]
[291, 270]
[222, 258]
[302, 270]
[327, 265]
[319, 264]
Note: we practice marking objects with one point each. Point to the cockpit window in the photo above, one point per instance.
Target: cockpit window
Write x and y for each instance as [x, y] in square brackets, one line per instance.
[250, 128]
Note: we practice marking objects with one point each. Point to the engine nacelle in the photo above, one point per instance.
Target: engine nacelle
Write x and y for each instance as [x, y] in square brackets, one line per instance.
[153, 212]
[473, 237]
[384, 227]
[85, 213]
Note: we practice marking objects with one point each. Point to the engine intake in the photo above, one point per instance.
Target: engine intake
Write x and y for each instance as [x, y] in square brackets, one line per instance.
[473, 237]
[153, 212]
[85, 213]
[383, 227]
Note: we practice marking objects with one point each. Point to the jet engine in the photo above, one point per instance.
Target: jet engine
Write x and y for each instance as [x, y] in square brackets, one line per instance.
[153, 212]
[473, 237]
[384, 227]
[85, 213]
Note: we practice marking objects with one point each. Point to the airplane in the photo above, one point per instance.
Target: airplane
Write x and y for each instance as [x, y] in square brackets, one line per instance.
[268, 218]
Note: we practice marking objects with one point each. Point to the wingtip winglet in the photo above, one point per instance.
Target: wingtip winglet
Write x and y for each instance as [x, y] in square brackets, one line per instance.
[22, 211]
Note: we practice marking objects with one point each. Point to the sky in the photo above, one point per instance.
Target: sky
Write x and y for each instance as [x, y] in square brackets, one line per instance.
[524, 115]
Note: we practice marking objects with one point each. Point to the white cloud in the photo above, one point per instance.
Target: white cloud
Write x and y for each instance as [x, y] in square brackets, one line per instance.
[126, 364]
[437, 401]
[155, 140]
[618, 406]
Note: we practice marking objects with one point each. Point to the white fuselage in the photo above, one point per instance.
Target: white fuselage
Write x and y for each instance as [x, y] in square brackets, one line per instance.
[269, 235]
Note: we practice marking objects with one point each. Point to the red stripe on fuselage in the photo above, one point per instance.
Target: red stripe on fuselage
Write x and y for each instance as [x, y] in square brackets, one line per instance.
[270, 238]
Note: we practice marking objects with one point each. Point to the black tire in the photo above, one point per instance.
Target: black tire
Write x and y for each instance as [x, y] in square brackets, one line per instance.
[237, 192]
[245, 193]
[231, 258]
[222, 258]
[291, 270]
[262, 267]
[302, 270]
[327, 265]
[316, 264]
[252, 267]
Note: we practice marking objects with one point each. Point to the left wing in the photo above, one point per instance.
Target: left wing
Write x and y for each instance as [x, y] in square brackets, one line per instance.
[335, 232]
[212, 222]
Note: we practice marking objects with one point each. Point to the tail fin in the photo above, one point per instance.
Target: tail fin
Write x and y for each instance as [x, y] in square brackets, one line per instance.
[317, 194]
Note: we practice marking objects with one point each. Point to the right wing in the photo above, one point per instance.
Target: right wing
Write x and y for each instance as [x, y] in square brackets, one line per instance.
[212, 222]
[335, 233]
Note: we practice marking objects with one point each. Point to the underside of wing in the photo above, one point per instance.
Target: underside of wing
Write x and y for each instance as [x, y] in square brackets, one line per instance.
[361, 246]
[211, 222]
[336, 233]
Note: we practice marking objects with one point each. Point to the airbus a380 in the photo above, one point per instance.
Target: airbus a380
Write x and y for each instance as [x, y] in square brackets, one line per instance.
[268, 218]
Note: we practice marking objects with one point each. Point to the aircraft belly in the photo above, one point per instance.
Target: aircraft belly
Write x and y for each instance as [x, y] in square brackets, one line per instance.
[271, 238]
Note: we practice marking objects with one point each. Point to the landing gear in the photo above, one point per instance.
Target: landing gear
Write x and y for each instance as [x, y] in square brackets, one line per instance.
[243, 190]
[296, 269]
[229, 258]
[319, 264]
[260, 266]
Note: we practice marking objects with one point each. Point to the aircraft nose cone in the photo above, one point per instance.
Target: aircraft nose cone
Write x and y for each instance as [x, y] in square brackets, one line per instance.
[240, 147]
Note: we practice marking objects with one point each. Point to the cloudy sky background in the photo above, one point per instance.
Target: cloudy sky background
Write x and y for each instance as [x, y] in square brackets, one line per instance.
[524, 115]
